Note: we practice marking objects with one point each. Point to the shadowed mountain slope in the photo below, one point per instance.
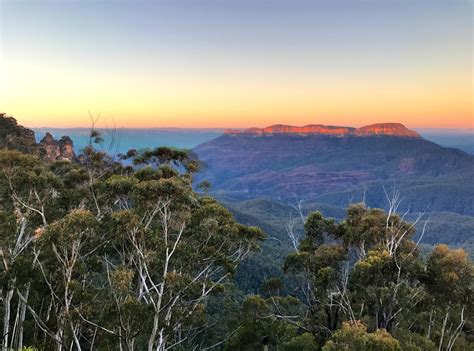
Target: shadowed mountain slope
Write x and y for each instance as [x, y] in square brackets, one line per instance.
[338, 170]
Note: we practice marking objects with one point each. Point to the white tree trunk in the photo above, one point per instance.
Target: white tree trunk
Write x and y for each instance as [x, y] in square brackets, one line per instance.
[6, 318]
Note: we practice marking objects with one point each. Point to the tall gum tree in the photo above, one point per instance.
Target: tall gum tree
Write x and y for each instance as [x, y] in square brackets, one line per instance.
[131, 236]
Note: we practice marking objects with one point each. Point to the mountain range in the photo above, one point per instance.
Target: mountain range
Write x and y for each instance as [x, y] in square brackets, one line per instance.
[268, 171]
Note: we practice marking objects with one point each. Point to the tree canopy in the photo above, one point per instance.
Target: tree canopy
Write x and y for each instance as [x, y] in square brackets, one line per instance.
[106, 254]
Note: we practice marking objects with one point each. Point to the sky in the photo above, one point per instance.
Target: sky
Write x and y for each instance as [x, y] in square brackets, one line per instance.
[237, 63]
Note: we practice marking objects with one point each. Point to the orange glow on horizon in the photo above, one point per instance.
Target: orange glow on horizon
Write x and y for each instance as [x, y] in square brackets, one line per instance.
[249, 64]
[41, 95]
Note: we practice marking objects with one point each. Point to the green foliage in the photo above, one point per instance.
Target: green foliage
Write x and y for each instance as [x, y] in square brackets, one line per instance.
[303, 342]
[447, 273]
[137, 241]
[410, 341]
[354, 337]
[258, 329]
[368, 268]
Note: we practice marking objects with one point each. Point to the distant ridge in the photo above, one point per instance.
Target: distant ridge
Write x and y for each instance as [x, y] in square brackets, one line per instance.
[392, 129]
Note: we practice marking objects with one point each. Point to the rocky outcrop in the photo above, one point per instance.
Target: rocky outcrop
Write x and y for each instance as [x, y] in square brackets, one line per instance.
[394, 129]
[16, 137]
[391, 129]
[57, 150]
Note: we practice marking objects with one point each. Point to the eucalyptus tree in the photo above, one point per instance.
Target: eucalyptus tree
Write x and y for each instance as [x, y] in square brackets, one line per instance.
[27, 192]
[354, 336]
[449, 277]
[171, 249]
[368, 269]
[129, 235]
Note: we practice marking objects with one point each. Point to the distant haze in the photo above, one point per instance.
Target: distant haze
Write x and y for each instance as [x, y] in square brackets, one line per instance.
[189, 138]
[458, 138]
[126, 139]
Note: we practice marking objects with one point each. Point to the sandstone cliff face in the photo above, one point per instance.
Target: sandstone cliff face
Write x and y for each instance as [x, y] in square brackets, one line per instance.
[17, 137]
[391, 129]
[57, 150]
[395, 129]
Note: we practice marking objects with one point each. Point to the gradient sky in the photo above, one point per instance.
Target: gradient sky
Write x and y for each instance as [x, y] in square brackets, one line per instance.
[230, 63]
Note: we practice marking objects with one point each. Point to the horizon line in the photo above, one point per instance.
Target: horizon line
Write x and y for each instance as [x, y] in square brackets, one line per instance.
[238, 128]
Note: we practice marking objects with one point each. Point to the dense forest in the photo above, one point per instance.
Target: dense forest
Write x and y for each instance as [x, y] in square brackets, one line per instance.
[125, 253]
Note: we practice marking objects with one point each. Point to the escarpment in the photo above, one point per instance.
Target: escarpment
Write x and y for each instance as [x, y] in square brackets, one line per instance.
[390, 129]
